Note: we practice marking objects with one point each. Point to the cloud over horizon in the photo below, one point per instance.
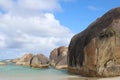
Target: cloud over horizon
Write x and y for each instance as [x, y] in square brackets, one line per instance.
[31, 25]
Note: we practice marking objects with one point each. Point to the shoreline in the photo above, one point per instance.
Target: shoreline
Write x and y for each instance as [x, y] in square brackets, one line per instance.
[51, 77]
[15, 72]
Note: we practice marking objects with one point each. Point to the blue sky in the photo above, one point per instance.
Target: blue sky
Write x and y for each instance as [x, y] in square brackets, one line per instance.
[78, 14]
[39, 26]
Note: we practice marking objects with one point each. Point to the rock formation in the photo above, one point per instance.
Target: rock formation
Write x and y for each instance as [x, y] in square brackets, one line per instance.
[39, 61]
[14, 60]
[96, 50]
[25, 60]
[2, 63]
[58, 57]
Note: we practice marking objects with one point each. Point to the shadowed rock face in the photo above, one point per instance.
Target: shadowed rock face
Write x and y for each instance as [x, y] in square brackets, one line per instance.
[96, 50]
[25, 60]
[58, 57]
[39, 61]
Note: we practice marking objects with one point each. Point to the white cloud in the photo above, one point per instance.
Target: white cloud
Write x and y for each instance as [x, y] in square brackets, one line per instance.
[43, 25]
[33, 31]
[25, 26]
[93, 8]
[29, 7]
[2, 40]
[6, 4]
[39, 4]
[68, 0]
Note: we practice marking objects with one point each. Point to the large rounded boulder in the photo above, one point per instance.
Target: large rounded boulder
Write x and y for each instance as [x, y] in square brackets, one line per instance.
[96, 50]
[39, 61]
[25, 60]
[58, 57]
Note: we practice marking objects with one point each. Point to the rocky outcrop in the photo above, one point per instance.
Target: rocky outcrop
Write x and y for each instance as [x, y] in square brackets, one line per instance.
[14, 60]
[96, 50]
[2, 63]
[58, 57]
[39, 61]
[35, 61]
[25, 60]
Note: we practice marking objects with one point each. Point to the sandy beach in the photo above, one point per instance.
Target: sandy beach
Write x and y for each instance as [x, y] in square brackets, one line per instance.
[48, 77]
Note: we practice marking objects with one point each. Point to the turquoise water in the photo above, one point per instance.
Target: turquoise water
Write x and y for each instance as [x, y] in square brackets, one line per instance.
[15, 72]
[16, 69]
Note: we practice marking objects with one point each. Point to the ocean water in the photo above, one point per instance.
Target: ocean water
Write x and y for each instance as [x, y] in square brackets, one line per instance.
[12, 68]
[15, 72]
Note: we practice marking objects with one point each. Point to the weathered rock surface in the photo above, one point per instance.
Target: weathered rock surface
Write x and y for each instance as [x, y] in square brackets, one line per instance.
[25, 60]
[58, 57]
[39, 61]
[96, 50]
[2, 63]
[15, 60]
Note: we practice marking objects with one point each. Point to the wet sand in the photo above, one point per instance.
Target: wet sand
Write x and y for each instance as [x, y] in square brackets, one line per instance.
[88, 78]
[111, 78]
[47, 77]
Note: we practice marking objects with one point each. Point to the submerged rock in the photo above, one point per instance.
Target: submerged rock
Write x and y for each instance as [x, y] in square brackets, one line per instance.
[96, 50]
[58, 57]
[39, 61]
[25, 60]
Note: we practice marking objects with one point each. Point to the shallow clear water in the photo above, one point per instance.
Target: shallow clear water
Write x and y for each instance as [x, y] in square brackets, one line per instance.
[16, 69]
[15, 72]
